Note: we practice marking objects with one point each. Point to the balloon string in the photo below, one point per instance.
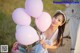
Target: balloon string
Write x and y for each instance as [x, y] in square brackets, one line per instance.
[39, 33]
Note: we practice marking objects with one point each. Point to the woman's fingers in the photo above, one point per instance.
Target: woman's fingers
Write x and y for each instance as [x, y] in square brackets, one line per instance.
[15, 45]
[44, 46]
[42, 42]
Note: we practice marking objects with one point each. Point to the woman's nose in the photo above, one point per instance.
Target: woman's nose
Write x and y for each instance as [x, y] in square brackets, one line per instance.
[54, 21]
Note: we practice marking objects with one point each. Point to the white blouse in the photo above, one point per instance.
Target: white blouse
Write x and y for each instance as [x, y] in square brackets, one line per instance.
[49, 41]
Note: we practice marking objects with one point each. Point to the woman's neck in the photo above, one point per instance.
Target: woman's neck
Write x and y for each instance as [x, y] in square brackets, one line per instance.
[53, 28]
[50, 31]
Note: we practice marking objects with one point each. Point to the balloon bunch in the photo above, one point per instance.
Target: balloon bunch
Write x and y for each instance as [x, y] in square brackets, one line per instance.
[25, 34]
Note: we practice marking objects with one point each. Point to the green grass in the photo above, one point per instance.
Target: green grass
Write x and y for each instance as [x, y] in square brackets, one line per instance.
[7, 26]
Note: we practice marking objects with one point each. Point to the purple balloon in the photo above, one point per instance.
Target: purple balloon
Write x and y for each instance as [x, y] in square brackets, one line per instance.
[20, 17]
[34, 7]
[26, 35]
[43, 22]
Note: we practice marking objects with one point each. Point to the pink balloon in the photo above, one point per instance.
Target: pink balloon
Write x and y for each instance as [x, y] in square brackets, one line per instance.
[20, 17]
[26, 35]
[43, 22]
[34, 7]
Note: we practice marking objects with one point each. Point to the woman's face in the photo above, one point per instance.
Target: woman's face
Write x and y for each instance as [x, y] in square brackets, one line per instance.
[57, 21]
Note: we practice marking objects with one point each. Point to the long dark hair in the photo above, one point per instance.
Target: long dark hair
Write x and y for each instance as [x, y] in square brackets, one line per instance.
[60, 28]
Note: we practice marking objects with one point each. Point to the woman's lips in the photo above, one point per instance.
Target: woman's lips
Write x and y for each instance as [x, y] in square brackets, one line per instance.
[53, 22]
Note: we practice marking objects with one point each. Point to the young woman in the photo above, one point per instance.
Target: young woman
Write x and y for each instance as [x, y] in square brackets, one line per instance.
[51, 39]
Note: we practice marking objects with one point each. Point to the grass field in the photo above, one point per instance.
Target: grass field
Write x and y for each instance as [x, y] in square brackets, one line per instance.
[7, 26]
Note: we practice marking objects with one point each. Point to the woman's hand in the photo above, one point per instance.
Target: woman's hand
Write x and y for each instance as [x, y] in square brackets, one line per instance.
[45, 46]
[15, 45]
[42, 42]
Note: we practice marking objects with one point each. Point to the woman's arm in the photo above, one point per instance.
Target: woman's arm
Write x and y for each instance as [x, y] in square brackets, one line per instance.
[46, 46]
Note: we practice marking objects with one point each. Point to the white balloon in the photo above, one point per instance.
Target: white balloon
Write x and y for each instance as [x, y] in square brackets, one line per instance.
[34, 7]
[26, 35]
[21, 17]
[43, 22]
